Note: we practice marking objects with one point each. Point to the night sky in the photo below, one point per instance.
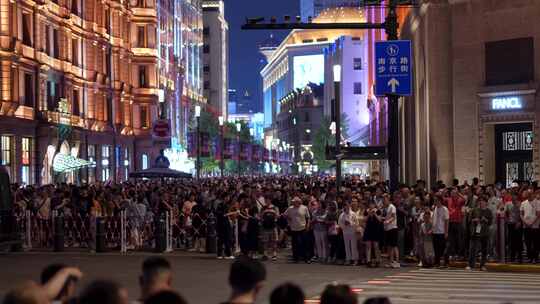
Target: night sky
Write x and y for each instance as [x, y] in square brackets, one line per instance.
[245, 59]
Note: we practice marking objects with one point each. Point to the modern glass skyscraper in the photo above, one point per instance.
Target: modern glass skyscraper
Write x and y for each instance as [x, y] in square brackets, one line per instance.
[314, 7]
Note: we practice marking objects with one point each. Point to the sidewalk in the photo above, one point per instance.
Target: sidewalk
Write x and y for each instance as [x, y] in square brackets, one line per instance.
[503, 267]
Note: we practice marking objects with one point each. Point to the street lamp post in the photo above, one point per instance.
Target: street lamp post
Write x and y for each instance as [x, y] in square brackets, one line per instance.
[337, 119]
[238, 129]
[198, 161]
[221, 146]
[251, 133]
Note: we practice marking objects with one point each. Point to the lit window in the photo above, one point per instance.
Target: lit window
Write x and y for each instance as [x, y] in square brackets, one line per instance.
[6, 150]
[126, 163]
[5, 155]
[25, 151]
[25, 161]
[144, 161]
[357, 88]
[25, 175]
[92, 168]
[105, 163]
[357, 63]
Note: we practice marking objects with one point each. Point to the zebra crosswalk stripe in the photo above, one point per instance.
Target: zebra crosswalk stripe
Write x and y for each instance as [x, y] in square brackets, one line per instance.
[434, 286]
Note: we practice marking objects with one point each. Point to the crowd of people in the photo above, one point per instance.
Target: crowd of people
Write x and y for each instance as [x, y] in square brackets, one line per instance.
[357, 225]
[59, 284]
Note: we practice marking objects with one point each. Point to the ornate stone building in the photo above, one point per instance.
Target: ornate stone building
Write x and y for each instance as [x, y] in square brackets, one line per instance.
[474, 112]
[86, 79]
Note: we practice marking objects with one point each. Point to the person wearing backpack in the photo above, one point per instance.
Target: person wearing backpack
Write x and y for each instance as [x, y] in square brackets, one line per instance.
[269, 217]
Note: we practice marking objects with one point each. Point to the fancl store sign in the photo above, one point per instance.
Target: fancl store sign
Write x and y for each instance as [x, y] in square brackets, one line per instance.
[506, 103]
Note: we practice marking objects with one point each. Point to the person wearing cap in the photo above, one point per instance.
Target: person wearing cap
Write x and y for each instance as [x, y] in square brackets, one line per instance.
[298, 218]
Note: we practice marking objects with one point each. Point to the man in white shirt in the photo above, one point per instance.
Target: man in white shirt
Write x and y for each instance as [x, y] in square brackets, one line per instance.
[529, 218]
[391, 231]
[348, 222]
[298, 218]
[441, 218]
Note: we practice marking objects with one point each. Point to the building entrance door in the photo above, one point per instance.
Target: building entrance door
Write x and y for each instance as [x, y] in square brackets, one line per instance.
[514, 153]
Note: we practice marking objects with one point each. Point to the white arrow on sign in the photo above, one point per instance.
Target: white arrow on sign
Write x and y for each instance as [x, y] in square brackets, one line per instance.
[393, 83]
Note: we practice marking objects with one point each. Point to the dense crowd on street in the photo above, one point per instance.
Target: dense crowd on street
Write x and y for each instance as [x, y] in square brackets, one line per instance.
[59, 285]
[359, 225]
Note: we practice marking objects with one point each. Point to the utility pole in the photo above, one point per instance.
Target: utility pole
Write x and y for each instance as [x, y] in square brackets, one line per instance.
[337, 119]
[392, 26]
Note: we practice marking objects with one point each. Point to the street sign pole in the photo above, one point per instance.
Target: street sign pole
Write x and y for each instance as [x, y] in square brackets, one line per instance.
[337, 94]
[393, 105]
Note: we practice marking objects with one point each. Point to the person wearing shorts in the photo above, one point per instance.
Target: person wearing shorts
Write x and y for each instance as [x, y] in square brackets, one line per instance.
[269, 235]
[391, 232]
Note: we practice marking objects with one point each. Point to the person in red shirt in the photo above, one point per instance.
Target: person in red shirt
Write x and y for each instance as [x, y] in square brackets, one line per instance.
[456, 203]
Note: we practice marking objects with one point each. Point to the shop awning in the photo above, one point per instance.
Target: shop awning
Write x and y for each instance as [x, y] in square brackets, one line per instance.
[63, 163]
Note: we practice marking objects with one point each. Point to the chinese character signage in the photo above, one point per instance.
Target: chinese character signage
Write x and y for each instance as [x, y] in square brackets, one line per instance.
[393, 73]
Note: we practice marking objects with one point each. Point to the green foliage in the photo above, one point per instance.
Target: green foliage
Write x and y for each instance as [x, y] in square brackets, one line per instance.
[231, 132]
[323, 137]
[344, 125]
[208, 124]
[209, 164]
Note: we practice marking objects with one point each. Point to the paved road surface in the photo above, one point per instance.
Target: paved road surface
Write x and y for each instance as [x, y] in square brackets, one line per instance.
[200, 278]
[434, 286]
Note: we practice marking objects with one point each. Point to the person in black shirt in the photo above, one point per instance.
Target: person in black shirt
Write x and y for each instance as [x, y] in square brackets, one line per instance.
[224, 231]
[269, 216]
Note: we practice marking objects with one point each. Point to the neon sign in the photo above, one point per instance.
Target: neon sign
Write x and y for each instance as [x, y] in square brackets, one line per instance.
[506, 103]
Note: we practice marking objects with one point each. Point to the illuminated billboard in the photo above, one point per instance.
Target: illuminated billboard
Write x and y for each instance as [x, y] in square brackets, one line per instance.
[309, 68]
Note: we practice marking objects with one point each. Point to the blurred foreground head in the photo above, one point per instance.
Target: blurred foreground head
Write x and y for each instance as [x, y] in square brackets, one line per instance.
[246, 276]
[338, 294]
[103, 292]
[287, 294]
[26, 293]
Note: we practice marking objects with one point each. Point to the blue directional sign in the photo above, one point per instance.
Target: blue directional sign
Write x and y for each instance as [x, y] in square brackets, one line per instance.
[393, 68]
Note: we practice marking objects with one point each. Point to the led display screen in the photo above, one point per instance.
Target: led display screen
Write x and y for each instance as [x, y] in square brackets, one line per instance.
[309, 68]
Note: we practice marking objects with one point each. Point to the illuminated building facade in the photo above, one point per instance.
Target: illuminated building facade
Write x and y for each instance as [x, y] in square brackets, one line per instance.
[306, 57]
[312, 8]
[474, 111]
[87, 80]
[216, 56]
[299, 118]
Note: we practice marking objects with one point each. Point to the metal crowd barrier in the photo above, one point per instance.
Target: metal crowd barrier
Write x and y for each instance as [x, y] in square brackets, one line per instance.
[121, 232]
[80, 231]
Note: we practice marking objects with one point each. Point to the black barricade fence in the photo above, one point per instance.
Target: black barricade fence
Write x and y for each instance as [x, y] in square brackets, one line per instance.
[112, 233]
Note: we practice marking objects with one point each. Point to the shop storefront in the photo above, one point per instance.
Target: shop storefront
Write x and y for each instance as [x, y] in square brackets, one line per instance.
[508, 147]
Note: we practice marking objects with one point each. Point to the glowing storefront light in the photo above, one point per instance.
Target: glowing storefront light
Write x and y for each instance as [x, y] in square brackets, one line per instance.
[506, 103]
[179, 160]
[67, 163]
